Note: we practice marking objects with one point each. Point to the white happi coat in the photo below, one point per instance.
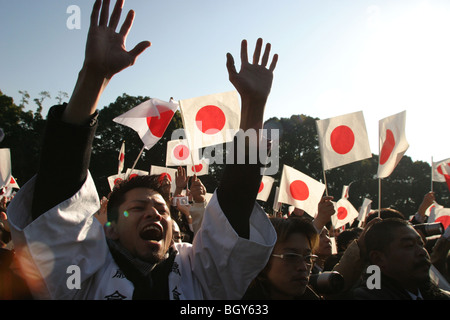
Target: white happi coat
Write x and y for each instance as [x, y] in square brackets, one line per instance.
[67, 240]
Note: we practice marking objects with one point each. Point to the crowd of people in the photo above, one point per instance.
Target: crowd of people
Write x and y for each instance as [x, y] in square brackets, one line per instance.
[141, 242]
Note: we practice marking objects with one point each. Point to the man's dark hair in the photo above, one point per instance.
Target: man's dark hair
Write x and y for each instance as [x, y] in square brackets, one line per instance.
[346, 237]
[381, 234]
[385, 213]
[117, 196]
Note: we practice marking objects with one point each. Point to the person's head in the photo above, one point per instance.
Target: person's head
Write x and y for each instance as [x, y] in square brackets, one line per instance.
[165, 184]
[396, 247]
[324, 249]
[385, 213]
[288, 269]
[344, 238]
[177, 235]
[139, 219]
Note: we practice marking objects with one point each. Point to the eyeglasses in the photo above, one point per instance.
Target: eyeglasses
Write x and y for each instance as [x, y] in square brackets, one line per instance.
[296, 258]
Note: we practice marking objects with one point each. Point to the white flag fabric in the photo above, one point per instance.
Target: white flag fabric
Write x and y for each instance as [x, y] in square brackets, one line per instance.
[211, 119]
[441, 215]
[345, 213]
[199, 169]
[149, 119]
[393, 143]
[121, 158]
[5, 166]
[135, 172]
[167, 171]
[438, 173]
[13, 183]
[115, 179]
[178, 153]
[276, 204]
[345, 190]
[364, 211]
[265, 188]
[343, 140]
[300, 190]
[434, 205]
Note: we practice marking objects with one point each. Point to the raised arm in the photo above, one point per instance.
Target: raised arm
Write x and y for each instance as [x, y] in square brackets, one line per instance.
[105, 56]
[240, 183]
[65, 154]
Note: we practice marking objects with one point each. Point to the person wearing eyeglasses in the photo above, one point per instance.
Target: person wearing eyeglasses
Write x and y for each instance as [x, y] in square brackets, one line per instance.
[286, 275]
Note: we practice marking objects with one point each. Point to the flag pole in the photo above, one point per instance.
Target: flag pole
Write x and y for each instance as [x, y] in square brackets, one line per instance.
[431, 174]
[184, 127]
[325, 181]
[379, 197]
[135, 161]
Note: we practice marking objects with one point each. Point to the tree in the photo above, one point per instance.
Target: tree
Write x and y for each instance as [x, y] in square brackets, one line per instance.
[23, 131]
[404, 189]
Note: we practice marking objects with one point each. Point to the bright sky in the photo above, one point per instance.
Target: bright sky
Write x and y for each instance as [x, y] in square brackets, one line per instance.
[336, 57]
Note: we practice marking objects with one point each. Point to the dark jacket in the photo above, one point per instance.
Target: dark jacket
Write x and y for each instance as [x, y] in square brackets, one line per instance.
[391, 290]
[259, 290]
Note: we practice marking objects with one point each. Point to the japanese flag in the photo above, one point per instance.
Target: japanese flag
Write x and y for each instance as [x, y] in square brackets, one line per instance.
[167, 171]
[149, 119]
[345, 213]
[343, 140]
[300, 190]
[433, 206]
[199, 169]
[5, 166]
[178, 153]
[364, 211]
[115, 179]
[446, 173]
[211, 119]
[265, 188]
[345, 190]
[135, 172]
[393, 144]
[441, 215]
[438, 170]
[121, 158]
[13, 183]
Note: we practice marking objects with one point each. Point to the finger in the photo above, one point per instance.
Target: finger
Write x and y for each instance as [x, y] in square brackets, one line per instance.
[257, 52]
[104, 14]
[274, 62]
[230, 65]
[126, 26]
[115, 16]
[265, 57]
[95, 12]
[139, 48]
[244, 55]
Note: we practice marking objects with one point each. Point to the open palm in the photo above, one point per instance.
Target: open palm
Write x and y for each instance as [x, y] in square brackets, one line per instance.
[105, 48]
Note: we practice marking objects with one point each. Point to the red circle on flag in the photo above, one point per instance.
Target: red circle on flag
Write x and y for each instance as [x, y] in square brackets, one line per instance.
[299, 190]
[342, 213]
[181, 152]
[210, 119]
[261, 187]
[158, 124]
[197, 168]
[134, 175]
[342, 139]
[387, 148]
[439, 169]
[117, 181]
[445, 220]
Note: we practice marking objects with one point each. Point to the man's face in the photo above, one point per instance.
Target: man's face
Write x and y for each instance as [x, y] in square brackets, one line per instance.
[406, 259]
[288, 278]
[144, 225]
